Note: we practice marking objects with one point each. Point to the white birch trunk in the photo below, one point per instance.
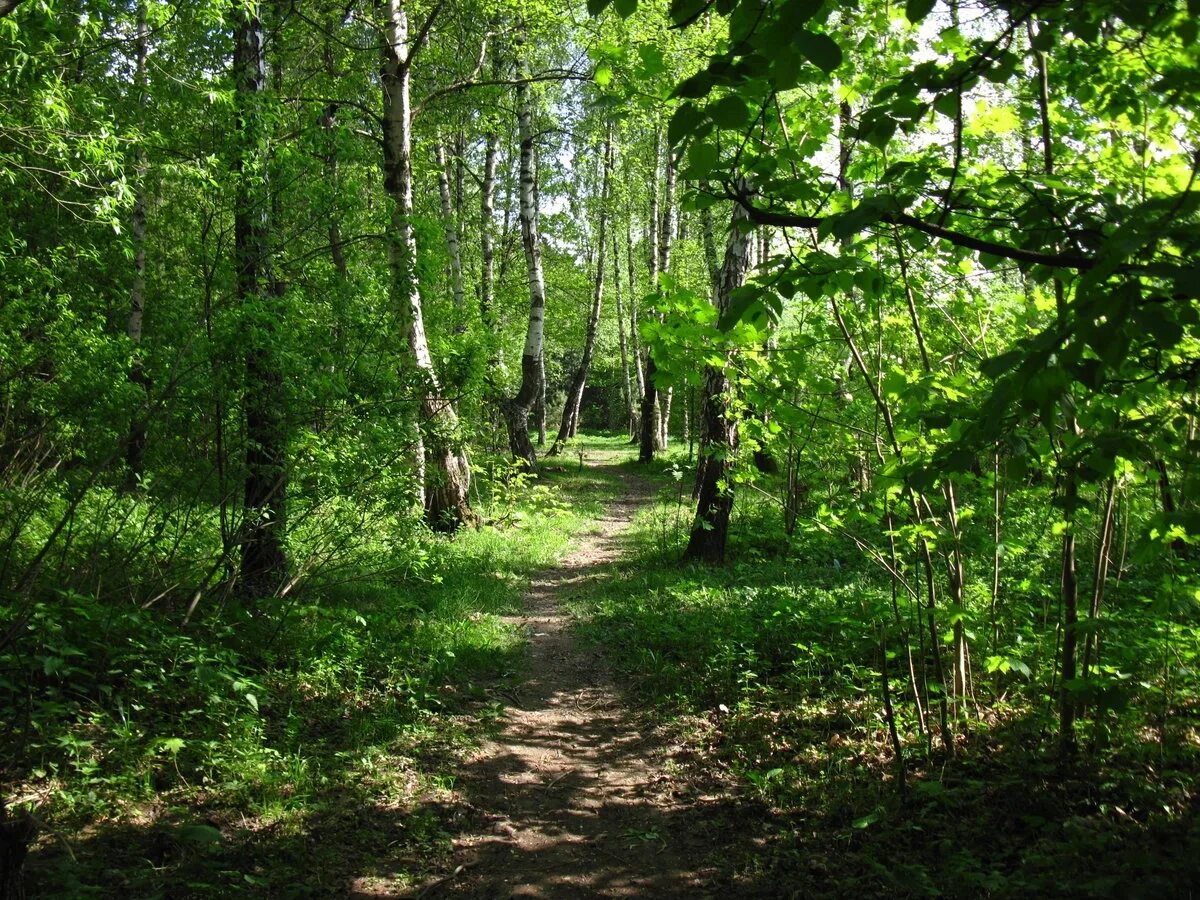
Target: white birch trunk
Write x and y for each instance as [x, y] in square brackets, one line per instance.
[487, 224]
[448, 476]
[450, 224]
[666, 239]
[531, 357]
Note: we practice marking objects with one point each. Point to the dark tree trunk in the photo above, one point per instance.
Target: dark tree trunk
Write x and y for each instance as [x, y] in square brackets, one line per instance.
[651, 424]
[264, 563]
[516, 413]
[718, 429]
[135, 444]
[16, 836]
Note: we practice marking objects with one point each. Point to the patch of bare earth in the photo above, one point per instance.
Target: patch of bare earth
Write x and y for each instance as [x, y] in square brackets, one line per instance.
[576, 797]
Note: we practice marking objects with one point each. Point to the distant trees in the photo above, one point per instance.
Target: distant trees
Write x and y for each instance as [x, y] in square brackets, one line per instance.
[979, 266]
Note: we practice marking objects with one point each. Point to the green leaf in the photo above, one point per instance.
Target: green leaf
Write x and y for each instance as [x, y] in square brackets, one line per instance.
[604, 74]
[1002, 364]
[916, 10]
[869, 819]
[729, 112]
[172, 745]
[702, 157]
[1045, 39]
[949, 105]
[198, 835]
[819, 49]
[651, 57]
[625, 8]
[253, 701]
[683, 11]
[695, 87]
[684, 121]
[595, 7]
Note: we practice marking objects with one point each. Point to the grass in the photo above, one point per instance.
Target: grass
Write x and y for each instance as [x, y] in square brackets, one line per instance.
[238, 757]
[290, 753]
[768, 670]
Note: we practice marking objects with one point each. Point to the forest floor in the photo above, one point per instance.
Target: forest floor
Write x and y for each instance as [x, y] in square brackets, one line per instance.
[555, 706]
[577, 794]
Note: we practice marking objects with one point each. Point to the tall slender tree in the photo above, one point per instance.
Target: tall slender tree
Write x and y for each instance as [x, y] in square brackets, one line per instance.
[570, 416]
[448, 473]
[264, 564]
[718, 428]
[531, 387]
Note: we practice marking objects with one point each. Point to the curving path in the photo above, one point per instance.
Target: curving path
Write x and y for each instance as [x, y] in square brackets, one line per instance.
[571, 798]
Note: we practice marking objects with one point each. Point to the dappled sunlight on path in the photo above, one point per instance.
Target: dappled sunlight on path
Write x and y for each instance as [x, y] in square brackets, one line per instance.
[573, 798]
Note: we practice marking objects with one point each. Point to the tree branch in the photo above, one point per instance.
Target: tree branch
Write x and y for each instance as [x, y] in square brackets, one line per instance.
[904, 220]
[551, 75]
[418, 43]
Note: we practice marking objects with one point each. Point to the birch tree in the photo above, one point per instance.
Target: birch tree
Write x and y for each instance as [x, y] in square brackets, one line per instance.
[517, 409]
[570, 417]
[448, 473]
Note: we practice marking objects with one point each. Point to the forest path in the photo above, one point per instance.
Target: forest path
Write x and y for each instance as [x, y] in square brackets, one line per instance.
[573, 797]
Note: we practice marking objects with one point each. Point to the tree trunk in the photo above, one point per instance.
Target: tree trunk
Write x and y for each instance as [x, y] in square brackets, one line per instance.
[1069, 582]
[540, 406]
[448, 472]
[264, 561]
[487, 215]
[337, 250]
[718, 430]
[666, 237]
[570, 417]
[16, 836]
[135, 445]
[635, 350]
[450, 224]
[626, 382]
[660, 260]
[517, 409]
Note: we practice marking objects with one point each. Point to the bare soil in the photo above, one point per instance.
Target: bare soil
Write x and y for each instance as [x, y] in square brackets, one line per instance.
[576, 796]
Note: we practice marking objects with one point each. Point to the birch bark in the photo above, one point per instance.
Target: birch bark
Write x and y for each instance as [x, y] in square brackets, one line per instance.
[447, 472]
[569, 426]
[517, 409]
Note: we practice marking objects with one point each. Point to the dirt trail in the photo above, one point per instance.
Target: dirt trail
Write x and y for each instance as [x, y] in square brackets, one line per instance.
[572, 797]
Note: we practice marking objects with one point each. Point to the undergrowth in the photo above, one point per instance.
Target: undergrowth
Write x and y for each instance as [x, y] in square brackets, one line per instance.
[770, 668]
[288, 750]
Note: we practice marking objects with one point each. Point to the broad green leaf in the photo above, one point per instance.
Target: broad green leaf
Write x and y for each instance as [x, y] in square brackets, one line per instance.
[729, 112]
[702, 157]
[819, 49]
[198, 835]
[684, 121]
[686, 10]
[916, 10]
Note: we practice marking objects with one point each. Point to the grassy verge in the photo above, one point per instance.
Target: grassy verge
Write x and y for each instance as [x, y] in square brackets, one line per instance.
[770, 668]
[299, 751]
